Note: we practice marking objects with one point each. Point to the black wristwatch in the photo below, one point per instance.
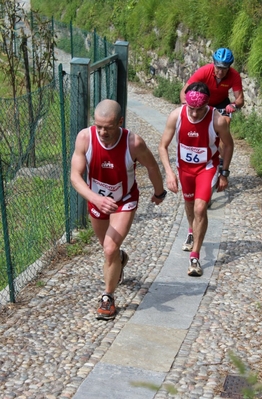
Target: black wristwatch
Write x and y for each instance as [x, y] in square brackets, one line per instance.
[225, 173]
[161, 196]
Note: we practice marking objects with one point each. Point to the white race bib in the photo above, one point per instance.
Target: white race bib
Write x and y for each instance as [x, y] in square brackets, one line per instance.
[106, 190]
[193, 154]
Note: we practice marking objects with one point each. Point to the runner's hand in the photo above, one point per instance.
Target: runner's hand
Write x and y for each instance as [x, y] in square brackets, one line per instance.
[230, 108]
[172, 182]
[157, 201]
[106, 204]
[222, 183]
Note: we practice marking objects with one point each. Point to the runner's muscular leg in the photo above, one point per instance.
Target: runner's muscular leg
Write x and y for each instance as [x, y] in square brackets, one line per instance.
[111, 239]
[200, 223]
[189, 208]
[100, 227]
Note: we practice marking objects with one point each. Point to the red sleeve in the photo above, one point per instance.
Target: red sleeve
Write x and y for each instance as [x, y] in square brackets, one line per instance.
[197, 76]
[236, 81]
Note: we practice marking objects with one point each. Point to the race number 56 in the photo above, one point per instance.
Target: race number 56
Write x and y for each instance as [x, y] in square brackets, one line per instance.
[192, 158]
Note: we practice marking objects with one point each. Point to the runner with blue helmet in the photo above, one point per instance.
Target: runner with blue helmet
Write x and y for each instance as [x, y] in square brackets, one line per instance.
[223, 58]
[219, 77]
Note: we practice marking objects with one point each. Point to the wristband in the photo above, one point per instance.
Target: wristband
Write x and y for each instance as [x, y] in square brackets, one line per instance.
[225, 173]
[230, 106]
[161, 196]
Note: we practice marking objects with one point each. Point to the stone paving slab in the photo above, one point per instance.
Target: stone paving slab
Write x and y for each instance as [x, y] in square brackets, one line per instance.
[107, 381]
[170, 305]
[152, 116]
[146, 347]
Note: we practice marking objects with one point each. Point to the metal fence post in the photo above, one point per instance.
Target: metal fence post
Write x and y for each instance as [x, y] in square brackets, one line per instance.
[9, 265]
[121, 48]
[64, 151]
[53, 47]
[79, 119]
[32, 32]
[71, 39]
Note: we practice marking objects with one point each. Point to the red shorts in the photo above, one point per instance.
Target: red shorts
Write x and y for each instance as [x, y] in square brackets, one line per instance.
[127, 204]
[198, 185]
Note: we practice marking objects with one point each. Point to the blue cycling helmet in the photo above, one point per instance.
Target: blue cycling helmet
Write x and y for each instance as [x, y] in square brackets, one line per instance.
[223, 58]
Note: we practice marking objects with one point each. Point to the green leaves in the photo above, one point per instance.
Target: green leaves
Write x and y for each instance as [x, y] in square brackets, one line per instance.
[168, 90]
[255, 387]
[153, 387]
[152, 24]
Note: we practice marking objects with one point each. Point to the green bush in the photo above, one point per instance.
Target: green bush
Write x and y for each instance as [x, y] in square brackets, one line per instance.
[222, 22]
[254, 63]
[82, 239]
[249, 128]
[168, 90]
[241, 35]
[132, 74]
[237, 124]
[152, 24]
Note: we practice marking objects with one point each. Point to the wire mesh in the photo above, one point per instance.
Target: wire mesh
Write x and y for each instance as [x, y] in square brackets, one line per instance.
[36, 146]
[103, 84]
[32, 169]
[81, 43]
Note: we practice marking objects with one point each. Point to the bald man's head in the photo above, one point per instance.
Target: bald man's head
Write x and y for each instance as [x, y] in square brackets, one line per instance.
[109, 108]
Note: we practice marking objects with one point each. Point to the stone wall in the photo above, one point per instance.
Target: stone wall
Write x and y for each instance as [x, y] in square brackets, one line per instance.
[190, 55]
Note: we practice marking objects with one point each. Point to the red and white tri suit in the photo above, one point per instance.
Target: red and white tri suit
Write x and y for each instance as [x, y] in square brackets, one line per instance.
[197, 157]
[111, 173]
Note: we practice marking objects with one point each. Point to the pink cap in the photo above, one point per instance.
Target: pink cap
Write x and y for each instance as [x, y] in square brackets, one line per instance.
[196, 99]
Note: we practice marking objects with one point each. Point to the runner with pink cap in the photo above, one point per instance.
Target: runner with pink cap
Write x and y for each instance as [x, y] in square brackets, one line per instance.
[196, 99]
[197, 129]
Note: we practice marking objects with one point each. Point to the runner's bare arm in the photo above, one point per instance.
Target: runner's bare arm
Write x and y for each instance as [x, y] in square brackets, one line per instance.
[222, 129]
[141, 153]
[171, 178]
[78, 164]
[239, 98]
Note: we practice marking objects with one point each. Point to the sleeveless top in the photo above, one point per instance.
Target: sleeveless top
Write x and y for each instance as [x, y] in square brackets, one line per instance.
[110, 171]
[197, 142]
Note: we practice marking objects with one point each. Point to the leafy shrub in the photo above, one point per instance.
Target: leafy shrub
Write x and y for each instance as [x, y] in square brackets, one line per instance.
[132, 74]
[250, 128]
[82, 239]
[254, 64]
[241, 36]
[237, 125]
[152, 24]
[168, 90]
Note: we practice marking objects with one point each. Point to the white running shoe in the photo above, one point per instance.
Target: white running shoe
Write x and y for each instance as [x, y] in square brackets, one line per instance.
[188, 244]
[194, 268]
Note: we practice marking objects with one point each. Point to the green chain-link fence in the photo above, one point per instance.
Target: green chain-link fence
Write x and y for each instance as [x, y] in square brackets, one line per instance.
[81, 43]
[32, 195]
[39, 208]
